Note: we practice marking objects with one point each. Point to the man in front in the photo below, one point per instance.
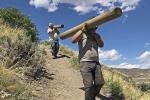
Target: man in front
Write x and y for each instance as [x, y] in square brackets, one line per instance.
[90, 68]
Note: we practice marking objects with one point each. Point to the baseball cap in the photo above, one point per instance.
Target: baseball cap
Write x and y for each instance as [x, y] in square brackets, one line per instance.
[50, 24]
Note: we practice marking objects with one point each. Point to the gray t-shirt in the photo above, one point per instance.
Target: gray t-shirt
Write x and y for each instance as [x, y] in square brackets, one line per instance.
[88, 48]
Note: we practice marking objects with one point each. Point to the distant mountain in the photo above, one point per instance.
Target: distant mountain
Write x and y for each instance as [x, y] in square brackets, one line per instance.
[139, 75]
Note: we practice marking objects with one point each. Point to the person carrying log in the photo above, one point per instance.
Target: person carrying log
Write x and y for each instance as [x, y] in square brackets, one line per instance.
[90, 68]
[53, 35]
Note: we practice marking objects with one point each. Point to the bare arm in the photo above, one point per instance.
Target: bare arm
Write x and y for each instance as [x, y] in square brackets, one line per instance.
[77, 36]
[50, 31]
[99, 40]
[53, 30]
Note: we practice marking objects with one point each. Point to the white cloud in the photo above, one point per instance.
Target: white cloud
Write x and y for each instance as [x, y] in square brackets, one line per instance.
[143, 61]
[39, 3]
[128, 5]
[109, 55]
[85, 6]
[144, 57]
[125, 65]
[145, 65]
[81, 9]
[52, 7]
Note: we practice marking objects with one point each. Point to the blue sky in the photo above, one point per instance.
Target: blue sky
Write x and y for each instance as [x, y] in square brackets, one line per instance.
[127, 39]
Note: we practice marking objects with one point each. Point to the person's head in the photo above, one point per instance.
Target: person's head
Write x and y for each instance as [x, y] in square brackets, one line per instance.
[92, 29]
[50, 25]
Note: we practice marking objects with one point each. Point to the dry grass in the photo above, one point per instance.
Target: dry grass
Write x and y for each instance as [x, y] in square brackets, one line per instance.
[66, 50]
[17, 51]
[19, 56]
[129, 90]
[63, 48]
[6, 30]
[10, 86]
[119, 82]
[145, 96]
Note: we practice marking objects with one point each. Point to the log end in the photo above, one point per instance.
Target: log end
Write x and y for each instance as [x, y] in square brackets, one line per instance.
[118, 11]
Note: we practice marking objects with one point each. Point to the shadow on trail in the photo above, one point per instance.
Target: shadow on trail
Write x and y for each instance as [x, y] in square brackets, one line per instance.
[111, 97]
[43, 73]
[49, 76]
[82, 88]
[99, 95]
[62, 56]
[102, 97]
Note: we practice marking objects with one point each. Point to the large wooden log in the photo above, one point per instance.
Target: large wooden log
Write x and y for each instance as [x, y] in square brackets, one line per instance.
[96, 21]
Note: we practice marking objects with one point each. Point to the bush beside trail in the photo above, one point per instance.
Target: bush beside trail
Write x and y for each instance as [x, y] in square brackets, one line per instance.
[16, 19]
[20, 52]
[20, 57]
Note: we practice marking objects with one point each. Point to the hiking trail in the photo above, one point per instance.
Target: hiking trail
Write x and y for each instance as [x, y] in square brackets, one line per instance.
[65, 82]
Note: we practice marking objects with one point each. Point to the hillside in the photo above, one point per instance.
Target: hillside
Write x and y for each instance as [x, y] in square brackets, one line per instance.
[139, 75]
[28, 72]
[61, 80]
[21, 59]
[66, 83]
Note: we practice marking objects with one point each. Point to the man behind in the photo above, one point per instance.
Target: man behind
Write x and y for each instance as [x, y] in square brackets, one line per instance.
[53, 34]
[90, 68]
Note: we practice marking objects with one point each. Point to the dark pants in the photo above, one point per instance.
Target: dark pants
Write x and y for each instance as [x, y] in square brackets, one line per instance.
[55, 47]
[92, 79]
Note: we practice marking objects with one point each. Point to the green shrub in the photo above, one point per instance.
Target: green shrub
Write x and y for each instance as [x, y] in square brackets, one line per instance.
[115, 89]
[144, 87]
[16, 19]
[74, 62]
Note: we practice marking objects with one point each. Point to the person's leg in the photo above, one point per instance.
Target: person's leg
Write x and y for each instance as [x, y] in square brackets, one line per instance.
[52, 47]
[99, 80]
[57, 47]
[87, 80]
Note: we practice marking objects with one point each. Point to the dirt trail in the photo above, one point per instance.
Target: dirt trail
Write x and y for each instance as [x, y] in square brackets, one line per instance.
[66, 81]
